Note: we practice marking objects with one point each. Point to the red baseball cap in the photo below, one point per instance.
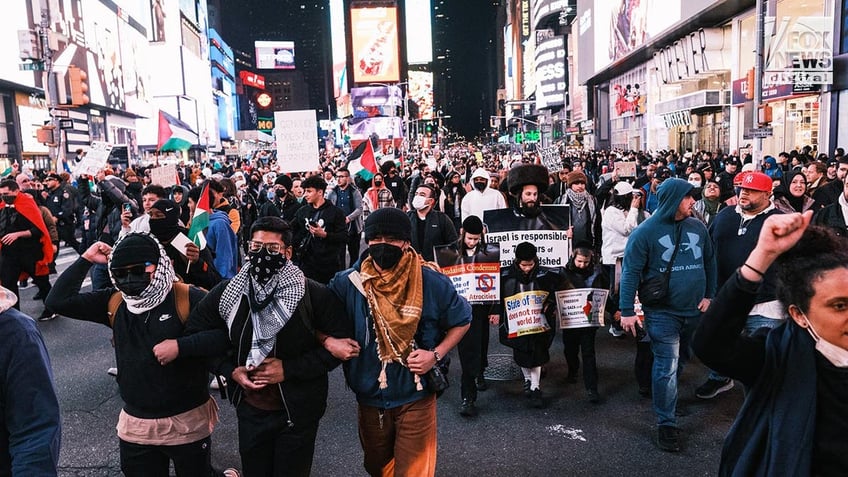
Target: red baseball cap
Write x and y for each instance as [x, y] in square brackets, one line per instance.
[755, 181]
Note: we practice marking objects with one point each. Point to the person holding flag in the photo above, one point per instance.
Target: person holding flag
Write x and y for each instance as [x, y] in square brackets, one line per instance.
[362, 164]
[212, 228]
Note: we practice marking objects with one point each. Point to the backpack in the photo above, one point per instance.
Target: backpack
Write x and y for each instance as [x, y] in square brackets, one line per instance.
[181, 300]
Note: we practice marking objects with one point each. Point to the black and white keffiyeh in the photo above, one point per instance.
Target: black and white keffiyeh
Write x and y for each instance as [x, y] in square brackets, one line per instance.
[271, 306]
[160, 283]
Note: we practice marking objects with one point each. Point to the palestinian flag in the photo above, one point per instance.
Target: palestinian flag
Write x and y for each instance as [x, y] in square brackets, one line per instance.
[200, 219]
[174, 135]
[362, 161]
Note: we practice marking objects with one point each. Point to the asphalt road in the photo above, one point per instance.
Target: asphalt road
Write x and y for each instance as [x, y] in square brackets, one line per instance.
[568, 437]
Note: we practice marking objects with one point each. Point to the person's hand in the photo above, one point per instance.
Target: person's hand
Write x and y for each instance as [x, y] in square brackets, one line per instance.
[420, 361]
[636, 202]
[166, 351]
[703, 305]
[318, 232]
[731, 201]
[269, 372]
[192, 252]
[241, 376]
[494, 319]
[98, 252]
[342, 348]
[615, 176]
[126, 218]
[570, 232]
[10, 238]
[629, 324]
[617, 316]
[782, 231]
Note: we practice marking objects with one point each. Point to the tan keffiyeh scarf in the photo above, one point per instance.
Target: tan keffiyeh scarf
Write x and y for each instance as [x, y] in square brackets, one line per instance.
[395, 298]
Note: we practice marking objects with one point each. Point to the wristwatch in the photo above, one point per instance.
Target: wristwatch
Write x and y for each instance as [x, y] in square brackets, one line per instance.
[436, 355]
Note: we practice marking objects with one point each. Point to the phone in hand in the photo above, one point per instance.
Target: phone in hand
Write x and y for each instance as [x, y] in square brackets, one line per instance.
[127, 207]
[313, 223]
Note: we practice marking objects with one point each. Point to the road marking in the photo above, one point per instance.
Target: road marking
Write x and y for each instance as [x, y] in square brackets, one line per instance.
[569, 432]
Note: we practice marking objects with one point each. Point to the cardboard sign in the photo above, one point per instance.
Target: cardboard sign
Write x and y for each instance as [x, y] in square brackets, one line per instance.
[524, 314]
[626, 168]
[94, 160]
[581, 307]
[165, 176]
[296, 133]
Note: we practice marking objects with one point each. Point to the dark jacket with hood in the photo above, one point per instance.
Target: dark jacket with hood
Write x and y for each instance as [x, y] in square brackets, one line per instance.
[649, 250]
[185, 212]
[106, 209]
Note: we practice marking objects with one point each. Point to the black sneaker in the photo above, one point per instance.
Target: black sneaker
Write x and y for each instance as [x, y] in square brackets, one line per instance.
[47, 315]
[713, 387]
[480, 383]
[527, 387]
[468, 409]
[668, 438]
[593, 396]
[23, 284]
[536, 399]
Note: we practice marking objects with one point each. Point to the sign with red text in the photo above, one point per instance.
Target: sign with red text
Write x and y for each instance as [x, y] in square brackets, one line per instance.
[524, 313]
[581, 307]
[477, 278]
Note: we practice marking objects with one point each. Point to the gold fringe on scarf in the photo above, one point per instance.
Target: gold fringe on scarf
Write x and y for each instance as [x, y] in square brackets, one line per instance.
[395, 298]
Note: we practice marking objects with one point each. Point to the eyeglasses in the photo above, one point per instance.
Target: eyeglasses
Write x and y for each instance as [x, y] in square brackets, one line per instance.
[135, 270]
[273, 248]
[340, 176]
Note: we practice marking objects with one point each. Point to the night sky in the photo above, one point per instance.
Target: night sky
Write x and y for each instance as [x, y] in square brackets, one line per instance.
[469, 31]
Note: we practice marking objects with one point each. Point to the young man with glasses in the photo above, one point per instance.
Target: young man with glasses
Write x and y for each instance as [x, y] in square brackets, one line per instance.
[168, 414]
[266, 318]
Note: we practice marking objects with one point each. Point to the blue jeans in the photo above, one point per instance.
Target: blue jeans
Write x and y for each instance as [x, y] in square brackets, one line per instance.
[752, 324]
[670, 340]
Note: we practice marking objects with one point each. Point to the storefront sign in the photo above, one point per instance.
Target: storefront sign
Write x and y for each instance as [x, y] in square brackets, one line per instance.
[801, 51]
[677, 118]
[771, 92]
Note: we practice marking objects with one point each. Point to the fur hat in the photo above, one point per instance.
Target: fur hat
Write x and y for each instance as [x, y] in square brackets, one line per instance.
[575, 178]
[527, 174]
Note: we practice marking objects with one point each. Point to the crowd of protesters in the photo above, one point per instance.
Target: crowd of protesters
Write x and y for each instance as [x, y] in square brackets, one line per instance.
[280, 261]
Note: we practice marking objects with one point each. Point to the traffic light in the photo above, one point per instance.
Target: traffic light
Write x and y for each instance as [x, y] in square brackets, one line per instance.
[79, 85]
[428, 128]
[749, 80]
[45, 135]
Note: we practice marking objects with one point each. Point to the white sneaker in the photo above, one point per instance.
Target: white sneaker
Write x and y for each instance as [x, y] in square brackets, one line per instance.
[112, 371]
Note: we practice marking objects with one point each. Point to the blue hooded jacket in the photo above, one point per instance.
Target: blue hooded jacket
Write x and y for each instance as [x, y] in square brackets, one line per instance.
[224, 243]
[650, 247]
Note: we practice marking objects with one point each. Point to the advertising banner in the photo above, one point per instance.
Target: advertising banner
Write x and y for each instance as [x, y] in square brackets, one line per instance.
[338, 48]
[374, 38]
[524, 314]
[274, 55]
[546, 231]
[581, 307]
[550, 69]
[297, 140]
[477, 278]
[421, 91]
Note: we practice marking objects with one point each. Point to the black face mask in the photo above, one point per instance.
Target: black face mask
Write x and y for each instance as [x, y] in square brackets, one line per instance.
[163, 230]
[263, 265]
[531, 210]
[280, 193]
[132, 285]
[9, 199]
[385, 255]
[378, 183]
[481, 186]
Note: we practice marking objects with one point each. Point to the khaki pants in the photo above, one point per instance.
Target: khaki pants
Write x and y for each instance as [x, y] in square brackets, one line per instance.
[401, 441]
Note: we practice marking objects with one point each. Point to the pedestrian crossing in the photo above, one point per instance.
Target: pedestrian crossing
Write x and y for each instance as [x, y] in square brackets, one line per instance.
[66, 257]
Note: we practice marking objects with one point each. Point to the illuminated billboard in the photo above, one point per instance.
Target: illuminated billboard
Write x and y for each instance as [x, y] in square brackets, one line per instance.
[374, 36]
[550, 69]
[419, 32]
[421, 91]
[338, 47]
[274, 55]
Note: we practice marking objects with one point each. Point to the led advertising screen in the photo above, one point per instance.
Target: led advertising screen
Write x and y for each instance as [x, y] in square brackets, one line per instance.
[419, 32]
[550, 69]
[374, 36]
[274, 55]
[339, 47]
[421, 91]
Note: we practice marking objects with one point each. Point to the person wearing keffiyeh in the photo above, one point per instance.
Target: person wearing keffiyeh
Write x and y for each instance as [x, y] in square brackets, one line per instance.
[406, 317]
[267, 317]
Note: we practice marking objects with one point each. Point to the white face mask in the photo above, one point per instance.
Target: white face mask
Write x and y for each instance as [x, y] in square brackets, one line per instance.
[695, 183]
[837, 356]
[419, 202]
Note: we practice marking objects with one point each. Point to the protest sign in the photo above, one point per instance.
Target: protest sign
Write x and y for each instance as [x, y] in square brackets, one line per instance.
[524, 314]
[94, 160]
[296, 133]
[546, 231]
[165, 176]
[477, 278]
[626, 168]
[551, 158]
[581, 307]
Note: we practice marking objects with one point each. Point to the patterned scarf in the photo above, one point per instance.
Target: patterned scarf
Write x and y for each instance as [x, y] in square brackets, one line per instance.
[578, 200]
[160, 283]
[271, 306]
[395, 298]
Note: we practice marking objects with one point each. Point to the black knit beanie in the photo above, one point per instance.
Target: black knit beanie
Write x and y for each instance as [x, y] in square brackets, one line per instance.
[388, 222]
[134, 249]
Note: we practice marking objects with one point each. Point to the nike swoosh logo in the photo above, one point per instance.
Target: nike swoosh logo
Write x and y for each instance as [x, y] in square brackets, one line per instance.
[169, 209]
[164, 317]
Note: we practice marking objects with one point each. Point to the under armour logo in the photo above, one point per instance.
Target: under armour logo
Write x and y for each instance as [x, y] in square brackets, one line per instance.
[693, 245]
